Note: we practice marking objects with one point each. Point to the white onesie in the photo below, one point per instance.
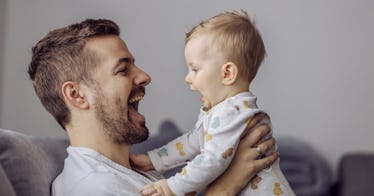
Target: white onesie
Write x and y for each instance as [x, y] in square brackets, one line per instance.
[209, 149]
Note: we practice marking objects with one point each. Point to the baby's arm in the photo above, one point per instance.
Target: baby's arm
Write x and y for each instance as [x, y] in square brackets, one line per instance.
[169, 155]
[176, 152]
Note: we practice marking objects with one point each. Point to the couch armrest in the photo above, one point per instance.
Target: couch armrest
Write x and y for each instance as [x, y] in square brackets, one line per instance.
[5, 186]
[356, 174]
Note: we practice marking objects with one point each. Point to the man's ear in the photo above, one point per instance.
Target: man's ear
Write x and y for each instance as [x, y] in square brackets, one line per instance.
[75, 95]
[229, 73]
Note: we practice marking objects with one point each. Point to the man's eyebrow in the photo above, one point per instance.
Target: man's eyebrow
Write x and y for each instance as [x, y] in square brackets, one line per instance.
[126, 60]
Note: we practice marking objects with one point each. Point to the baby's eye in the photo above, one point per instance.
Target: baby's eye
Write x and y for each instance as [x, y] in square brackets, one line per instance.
[194, 69]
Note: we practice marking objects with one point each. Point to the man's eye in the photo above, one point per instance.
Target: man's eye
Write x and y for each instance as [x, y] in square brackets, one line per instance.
[124, 71]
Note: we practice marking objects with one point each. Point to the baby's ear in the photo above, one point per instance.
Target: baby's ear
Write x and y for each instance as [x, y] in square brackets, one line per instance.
[75, 95]
[229, 73]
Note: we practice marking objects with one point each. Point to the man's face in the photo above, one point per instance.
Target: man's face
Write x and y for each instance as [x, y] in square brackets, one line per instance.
[118, 87]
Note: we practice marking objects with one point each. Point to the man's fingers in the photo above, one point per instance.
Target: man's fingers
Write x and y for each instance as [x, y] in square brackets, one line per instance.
[261, 149]
[266, 161]
[255, 136]
[267, 146]
[257, 119]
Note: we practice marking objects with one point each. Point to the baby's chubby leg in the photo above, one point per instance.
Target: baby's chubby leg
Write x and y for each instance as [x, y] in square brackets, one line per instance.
[159, 188]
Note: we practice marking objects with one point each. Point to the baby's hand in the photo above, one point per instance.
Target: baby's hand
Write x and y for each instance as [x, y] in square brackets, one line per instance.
[159, 188]
[141, 161]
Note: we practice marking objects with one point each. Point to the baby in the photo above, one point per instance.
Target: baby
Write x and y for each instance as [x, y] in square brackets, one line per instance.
[223, 54]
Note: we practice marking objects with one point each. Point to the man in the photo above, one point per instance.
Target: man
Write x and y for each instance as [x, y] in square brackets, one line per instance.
[86, 77]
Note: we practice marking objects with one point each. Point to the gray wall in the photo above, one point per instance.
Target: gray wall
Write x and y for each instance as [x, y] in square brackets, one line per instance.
[2, 35]
[316, 82]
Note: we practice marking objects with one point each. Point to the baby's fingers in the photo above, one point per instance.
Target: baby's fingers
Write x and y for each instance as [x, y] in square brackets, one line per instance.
[149, 189]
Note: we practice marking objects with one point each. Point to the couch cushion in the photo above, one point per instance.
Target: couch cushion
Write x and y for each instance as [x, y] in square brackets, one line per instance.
[31, 163]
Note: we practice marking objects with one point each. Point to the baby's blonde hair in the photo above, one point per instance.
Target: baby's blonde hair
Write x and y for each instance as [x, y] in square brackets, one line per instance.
[236, 37]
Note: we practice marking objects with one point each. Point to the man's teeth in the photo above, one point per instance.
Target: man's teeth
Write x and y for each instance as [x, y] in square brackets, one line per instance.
[135, 99]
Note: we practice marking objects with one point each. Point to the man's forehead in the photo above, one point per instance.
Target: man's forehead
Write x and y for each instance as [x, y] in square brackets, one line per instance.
[110, 52]
[108, 46]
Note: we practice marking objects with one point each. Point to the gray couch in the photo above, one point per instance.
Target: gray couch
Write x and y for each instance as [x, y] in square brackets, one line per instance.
[29, 164]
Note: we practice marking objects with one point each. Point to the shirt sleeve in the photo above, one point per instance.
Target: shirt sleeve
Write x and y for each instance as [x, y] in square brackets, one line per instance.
[176, 152]
[221, 138]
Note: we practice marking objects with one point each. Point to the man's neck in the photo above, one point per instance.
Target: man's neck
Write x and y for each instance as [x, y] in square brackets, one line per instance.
[92, 137]
[117, 153]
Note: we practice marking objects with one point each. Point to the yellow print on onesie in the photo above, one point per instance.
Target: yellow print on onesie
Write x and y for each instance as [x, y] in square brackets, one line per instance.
[277, 189]
[208, 136]
[180, 149]
[227, 153]
[246, 104]
[184, 171]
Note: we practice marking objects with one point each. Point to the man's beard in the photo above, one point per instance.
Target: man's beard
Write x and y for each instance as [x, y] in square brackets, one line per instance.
[112, 118]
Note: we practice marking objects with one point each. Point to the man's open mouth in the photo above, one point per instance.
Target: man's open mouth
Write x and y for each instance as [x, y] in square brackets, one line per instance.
[134, 102]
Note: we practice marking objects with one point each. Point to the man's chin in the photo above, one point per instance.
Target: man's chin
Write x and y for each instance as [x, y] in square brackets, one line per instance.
[140, 141]
[144, 136]
[139, 136]
[130, 135]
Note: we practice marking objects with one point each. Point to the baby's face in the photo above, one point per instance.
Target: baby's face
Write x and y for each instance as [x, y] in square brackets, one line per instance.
[204, 70]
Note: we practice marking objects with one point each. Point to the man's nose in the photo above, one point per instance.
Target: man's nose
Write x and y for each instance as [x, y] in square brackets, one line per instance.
[142, 78]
